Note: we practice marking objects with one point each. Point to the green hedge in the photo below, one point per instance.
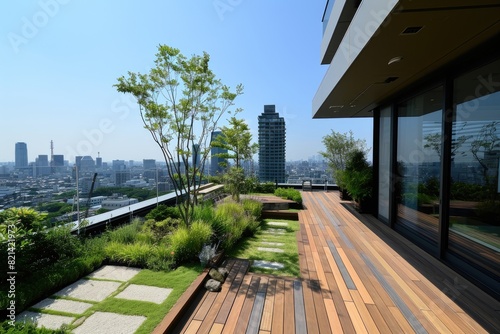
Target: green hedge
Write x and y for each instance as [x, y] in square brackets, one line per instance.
[289, 193]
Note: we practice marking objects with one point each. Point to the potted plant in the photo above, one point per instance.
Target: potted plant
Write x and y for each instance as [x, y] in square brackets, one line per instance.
[358, 180]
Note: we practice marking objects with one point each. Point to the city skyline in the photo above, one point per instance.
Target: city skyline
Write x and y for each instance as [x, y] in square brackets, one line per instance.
[61, 59]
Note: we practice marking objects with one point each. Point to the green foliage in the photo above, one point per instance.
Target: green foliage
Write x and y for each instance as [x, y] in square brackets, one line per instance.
[358, 176]
[468, 191]
[125, 234]
[28, 328]
[289, 193]
[186, 242]
[160, 229]
[235, 140]
[338, 148]
[180, 101]
[203, 212]
[132, 254]
[234, 182]
[162, 212]
[252, 207]
[265, 188]
[231, 222]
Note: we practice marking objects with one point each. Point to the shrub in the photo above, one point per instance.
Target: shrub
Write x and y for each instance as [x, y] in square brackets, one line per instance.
[125, 234]
[289, 193]
[186, 243]
[136, 254]
[159, 229]
[162, 212]
[265, 188]
[203, 212]
[252, 207]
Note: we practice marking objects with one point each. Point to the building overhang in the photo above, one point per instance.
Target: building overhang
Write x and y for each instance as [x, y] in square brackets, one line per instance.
[388, 46]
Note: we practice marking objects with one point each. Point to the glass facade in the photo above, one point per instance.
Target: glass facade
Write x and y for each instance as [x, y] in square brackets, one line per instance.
[384, 164]
[474, 222]
[418, 167]
[450, 208]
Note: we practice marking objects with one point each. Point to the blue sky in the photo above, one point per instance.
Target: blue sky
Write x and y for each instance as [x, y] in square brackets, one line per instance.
[60, 59]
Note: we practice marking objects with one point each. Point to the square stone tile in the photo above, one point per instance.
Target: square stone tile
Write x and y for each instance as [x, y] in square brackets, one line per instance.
[273, 250]
[144, 293]
[63, 305]
[49, 321]
[89, 290]
[267, 264]
[117, 273]
[110, 323]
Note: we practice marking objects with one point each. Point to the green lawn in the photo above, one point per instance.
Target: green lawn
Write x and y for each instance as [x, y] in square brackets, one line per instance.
[247, 248]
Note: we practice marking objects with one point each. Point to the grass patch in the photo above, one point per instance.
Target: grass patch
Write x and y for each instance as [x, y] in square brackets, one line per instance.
[178, 280]
[247, 248]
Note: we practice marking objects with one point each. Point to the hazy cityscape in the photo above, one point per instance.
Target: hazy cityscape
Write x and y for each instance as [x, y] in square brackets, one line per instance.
[52, 178]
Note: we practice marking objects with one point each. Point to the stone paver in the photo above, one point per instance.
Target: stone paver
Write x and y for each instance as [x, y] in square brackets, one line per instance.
[267, 243]
[110, 323]
[144, 293]
[268, 264]
[116, 273]
[63, 305]
[277, 224]
[273, 250]
[49, 321]
[274, 231]
[89, 290]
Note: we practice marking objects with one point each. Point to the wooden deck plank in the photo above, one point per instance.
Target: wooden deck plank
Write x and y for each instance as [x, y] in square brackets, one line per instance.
[267, 313]
[216, 329]
[231, 294]
[234, 314]
[193, 327]
[289, 311]
[279, 308]
[246, 310]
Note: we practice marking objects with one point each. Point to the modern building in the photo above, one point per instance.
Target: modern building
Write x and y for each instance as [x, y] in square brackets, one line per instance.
[117, 201]
[428, 73]
[42, 165]
[272, 144]
[21, 155]
[195, 157]
[215, 160]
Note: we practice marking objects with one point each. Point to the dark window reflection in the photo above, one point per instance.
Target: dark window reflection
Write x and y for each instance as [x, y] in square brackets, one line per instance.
[419, 159]
[475, 200]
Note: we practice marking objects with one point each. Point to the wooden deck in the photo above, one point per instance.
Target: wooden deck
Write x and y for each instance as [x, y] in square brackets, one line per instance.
[357, 276]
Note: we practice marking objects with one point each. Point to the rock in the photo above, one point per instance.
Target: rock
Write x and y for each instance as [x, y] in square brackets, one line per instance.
[216, 275]
[213, 285]
[223, 271]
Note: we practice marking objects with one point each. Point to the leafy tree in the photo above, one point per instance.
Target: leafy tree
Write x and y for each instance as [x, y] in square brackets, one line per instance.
[485, 142]
[236, 139]
[180, 102]
[338, 149]
[234, 182]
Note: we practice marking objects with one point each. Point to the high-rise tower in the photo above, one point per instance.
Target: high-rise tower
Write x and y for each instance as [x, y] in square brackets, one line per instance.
[271, 146]
[21, 155]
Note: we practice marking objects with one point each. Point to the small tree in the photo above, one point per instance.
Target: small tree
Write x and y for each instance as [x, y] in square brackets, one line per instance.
[338, 148]
[180, 102]
[236, 140]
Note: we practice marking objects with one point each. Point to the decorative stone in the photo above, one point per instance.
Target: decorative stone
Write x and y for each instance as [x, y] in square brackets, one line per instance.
[216, 275]
[223, 271]
[213, 285]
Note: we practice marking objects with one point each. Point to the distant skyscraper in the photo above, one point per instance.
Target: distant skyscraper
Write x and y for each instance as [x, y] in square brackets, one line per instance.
[21, 155]
[42, 165]
[196, 155]
[215, 167]
[271, 146]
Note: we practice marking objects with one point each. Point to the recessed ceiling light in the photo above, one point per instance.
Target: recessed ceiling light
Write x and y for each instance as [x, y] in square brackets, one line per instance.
[411, 30]
[394, 60]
